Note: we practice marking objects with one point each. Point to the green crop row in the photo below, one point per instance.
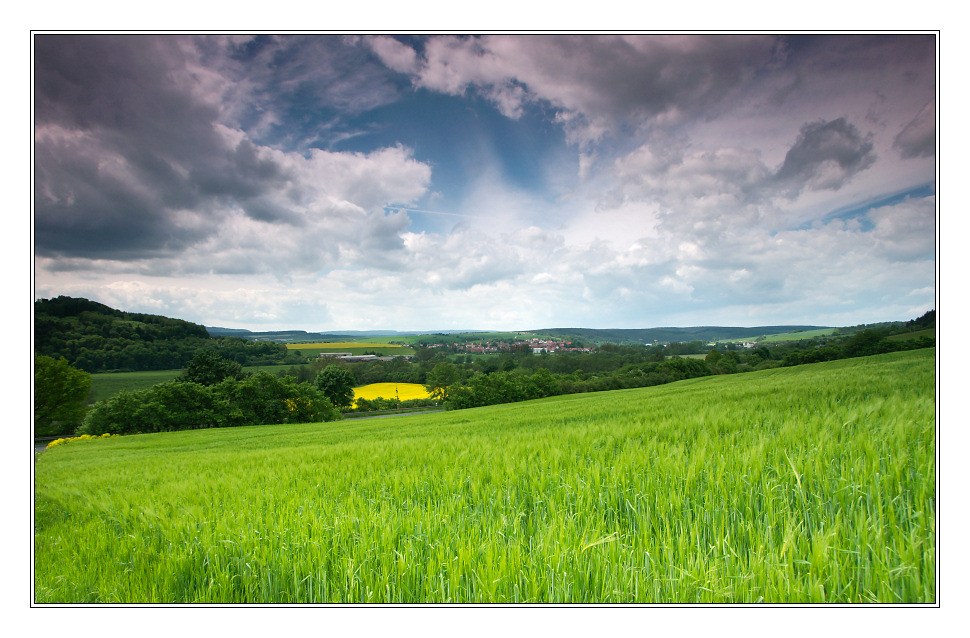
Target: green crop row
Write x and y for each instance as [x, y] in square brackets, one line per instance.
[795, 485]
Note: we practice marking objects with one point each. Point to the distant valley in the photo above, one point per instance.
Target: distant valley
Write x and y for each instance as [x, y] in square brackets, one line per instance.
[593, 335]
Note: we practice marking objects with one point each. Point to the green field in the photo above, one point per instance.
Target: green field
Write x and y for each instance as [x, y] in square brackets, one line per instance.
[807, 484]
[105, 385]
[794, 336]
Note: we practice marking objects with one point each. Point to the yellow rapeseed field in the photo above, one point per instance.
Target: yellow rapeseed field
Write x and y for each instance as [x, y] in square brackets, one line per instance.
[402, 391]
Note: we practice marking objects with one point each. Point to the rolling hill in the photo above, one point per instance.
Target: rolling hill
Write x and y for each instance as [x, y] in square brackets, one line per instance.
[671, 334]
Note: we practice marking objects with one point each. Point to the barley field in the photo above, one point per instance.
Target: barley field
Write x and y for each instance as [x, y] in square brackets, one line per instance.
[810, 484]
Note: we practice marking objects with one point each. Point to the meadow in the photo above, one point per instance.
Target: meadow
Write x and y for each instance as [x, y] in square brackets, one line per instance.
[105, 385]
[793, 336]
[810, 484]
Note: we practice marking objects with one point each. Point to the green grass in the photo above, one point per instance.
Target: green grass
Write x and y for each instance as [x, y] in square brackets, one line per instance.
[797, 485]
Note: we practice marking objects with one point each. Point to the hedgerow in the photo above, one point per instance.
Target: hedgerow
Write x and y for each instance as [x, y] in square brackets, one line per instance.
[258, 399]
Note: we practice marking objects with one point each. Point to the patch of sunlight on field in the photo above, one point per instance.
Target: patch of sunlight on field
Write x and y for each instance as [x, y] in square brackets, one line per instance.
[402, 391]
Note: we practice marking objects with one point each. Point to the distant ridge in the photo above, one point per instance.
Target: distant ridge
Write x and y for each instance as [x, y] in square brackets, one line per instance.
[302, 335]
[595, 335]
[667, 335]
[275, 335]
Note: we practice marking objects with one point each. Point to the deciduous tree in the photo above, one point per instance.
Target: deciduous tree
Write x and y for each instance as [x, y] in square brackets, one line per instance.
[60, 394]
[337, 384]
[441, 376]
[208, 368]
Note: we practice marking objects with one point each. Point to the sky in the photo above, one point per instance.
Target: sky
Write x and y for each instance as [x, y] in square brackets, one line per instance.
[499, 182]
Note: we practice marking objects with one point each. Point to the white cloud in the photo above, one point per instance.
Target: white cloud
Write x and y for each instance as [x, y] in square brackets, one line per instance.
[534, 278]
[706, 191]
[395, 55]
[906, 231]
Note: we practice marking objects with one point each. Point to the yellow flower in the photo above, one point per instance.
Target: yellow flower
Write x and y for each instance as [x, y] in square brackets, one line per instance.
[83, 437]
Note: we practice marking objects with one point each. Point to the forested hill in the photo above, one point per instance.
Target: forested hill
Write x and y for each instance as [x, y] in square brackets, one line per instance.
[97, 338]
[666, 335]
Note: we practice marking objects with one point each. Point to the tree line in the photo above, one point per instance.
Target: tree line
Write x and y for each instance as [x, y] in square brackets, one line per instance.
[96, 338]
[211, 392]
[521, 375]
[458, 387]
[215, 392]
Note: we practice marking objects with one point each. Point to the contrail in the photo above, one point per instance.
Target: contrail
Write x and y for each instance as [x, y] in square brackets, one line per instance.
[428, 212]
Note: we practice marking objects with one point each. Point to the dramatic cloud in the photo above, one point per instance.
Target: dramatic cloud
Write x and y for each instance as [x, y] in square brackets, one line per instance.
[133, 163]
[826, 155]
[918, 139]
[513, 182]
[596, 83]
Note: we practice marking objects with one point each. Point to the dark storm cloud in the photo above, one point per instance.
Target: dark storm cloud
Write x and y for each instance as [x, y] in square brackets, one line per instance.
[132, 155]
[240, 173]
[859, 53]
[80, 211]
[664, 74]
[826, 155]
[115, 134]
[133, 88]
